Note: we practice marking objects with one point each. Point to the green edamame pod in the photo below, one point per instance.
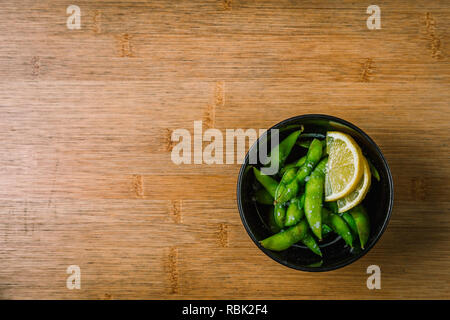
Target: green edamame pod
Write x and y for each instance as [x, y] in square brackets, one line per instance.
[289, 175]
[312, 135]
[284, 239]
[307, 143]
[362, 223]
[286, 192]
[341, 228]
[302, 201]
[316, 264]
[283, 149]
[271, 221]
[279, 214]
[301, 161]
[288, 166]
[373, 170]
[338, 225]
[351, 223]
[297, 164]
[314, 190]
[291, 127]
[312, 158]
[311, 243]
[304, 144]
[294, 212]
[332, 205]
[267, 181]
[263, 196]
[326, 230]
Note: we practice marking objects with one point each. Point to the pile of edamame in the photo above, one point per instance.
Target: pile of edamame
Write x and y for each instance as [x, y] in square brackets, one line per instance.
[298, 212]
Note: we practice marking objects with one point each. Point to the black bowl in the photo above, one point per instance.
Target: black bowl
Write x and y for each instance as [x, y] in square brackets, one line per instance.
[336, 254]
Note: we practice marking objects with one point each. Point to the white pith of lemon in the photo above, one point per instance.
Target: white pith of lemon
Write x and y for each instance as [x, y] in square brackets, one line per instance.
[357, 195]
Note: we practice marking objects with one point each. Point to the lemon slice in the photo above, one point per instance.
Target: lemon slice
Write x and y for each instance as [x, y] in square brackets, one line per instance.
[345, 166]
[358, 195]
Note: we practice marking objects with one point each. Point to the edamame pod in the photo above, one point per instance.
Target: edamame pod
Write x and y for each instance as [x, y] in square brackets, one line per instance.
[294, 212]
[311, 243]
[286, 180]
[269, 183]
[263, 196]
[301, 161]
[271, 221]
[326, 230]
[284, 239]
[373, 170]
[283, 149]
[297, 164]
[338, 225]
[351, 223]
[286, 167]
[312, 135]
[286, 192]
[314, 190]
[289, 175]
[312, 158]
[332, 205]
[362, 223]
[279, 214]
[316, 264]
[306, 143]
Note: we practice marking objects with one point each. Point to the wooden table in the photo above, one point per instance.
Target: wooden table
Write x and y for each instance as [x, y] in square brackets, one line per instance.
[86, 117]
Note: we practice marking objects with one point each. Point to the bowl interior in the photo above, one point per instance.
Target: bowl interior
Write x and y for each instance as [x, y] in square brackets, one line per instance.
[336, 254]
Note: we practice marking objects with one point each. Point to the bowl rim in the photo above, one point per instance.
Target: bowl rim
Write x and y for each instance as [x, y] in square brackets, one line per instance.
[390, 198]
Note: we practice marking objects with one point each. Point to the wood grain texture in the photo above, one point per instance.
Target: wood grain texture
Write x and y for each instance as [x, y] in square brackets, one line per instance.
[86, 118]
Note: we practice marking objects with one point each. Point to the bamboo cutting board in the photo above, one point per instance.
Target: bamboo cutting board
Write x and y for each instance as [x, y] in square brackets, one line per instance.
[86, 117]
